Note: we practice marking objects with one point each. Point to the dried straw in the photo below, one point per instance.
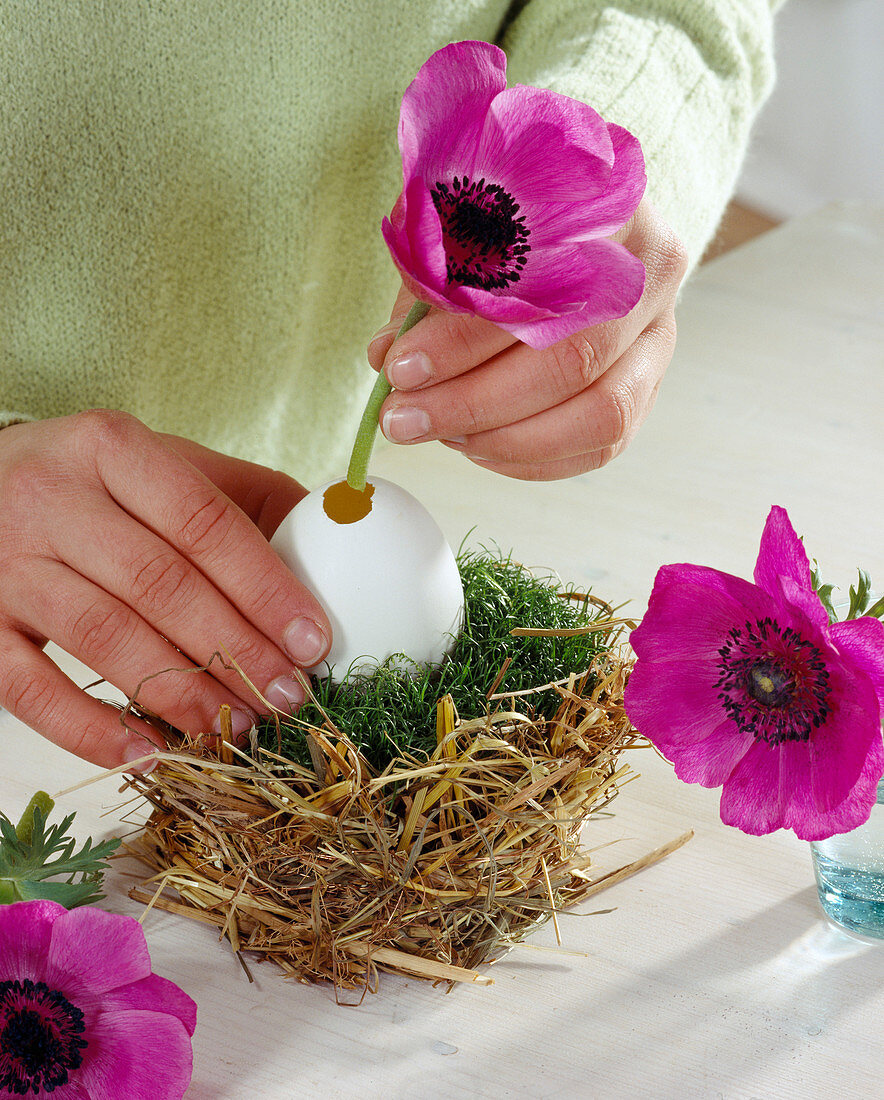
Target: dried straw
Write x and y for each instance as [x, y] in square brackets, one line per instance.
[430, 868]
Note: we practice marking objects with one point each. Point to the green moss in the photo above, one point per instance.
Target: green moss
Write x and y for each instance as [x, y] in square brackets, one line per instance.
[393, 711]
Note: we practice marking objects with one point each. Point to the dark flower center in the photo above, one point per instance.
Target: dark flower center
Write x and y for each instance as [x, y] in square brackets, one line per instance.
[39, 1037]
[772, 682]
[486, 244]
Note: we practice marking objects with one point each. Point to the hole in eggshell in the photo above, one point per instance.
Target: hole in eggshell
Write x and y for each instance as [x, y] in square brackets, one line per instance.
[344, 504]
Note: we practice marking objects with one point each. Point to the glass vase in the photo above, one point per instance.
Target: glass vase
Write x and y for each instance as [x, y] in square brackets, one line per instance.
[849, 871]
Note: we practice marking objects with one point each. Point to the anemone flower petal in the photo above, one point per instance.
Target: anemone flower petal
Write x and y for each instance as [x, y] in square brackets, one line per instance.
[804, 603]
[711, 760]
[137, 1055]
[505, 310]
[690, 611]
[675, 715]
[608, 279]
[83, 942]
[444, 109]
[73, 1090]
[544, 147]
[153, 994]
[673, 693]
[617, 204]
[755, 796]
[672, 690]
[585, 270]
[783, 569]
[839, 750]
[862, 640]
[772, 788]
[601, 215]
[413, 235]
[781, 554]
[25, 935]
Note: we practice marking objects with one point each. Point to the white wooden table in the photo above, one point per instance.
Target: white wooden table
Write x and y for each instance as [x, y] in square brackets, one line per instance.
[713, 974]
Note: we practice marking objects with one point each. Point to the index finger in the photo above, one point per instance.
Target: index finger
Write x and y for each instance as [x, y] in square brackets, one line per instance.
[156, 486]
[441, 346]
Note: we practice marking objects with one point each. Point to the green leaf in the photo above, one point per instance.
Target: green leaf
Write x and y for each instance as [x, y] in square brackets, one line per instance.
[859, 596]
[824, 591]
[34, 853]
[68, 894]
[876, 611]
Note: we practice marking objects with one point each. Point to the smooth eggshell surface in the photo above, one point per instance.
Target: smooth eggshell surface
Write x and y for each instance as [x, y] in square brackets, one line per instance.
[389, 582]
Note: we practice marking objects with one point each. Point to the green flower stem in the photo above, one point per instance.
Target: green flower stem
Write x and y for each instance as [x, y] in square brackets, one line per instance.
[25, 828]
[368, 425]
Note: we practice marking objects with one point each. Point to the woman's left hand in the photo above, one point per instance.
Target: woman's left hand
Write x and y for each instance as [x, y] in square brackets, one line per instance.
[535, 415]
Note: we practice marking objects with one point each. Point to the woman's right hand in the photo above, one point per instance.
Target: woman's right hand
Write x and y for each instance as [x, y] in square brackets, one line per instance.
[131, 551]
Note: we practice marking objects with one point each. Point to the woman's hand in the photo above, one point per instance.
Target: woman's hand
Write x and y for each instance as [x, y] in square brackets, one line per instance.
[536, 415]
[138, 553]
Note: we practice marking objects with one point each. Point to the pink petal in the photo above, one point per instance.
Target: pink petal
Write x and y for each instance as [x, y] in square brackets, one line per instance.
[544, 147]
[691, 610]
[772, 788]
[153, 994]
[781, 559]
[503, 309]
[673, 703]
[862, 641]
[585, 283]
[600, 216]
[92, 951]
[414, 237]
[754, 797]
[539, 323]
[444, 108]
[711, 760]
[858, 805]
[624, 192]
[137, 1055]
[805, 603]
[839, 749]
[73, 1090]
[672, 696]
[25, 935]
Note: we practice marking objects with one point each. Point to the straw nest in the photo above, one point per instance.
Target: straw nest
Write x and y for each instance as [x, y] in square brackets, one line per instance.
[429, 866]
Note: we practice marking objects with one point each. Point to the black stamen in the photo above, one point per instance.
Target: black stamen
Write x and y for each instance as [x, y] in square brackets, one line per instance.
[39, 1037]
[773, 683]
[486, 245]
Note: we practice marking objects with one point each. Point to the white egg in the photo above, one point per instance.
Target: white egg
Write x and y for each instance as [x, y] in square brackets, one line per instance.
[388, 581]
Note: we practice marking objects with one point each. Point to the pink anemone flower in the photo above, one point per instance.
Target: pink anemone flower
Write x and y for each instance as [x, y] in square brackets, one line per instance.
[82, 1017]
[749, 687]
[509, 195]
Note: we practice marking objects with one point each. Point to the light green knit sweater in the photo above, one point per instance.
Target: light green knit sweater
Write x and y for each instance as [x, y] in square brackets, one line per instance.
[192, 190]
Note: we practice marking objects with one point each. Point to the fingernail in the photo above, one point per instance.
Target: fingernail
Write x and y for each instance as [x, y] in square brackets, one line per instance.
[409, 370]
[285, 694]
[305, 642]
[384, 334]
[405, 423]
[454, 441]
[137, 749]
[240, 721]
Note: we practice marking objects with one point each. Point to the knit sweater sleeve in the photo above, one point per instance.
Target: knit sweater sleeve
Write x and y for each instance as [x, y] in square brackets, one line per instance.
[687, 77]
